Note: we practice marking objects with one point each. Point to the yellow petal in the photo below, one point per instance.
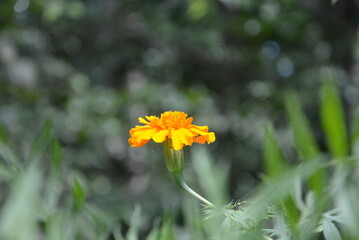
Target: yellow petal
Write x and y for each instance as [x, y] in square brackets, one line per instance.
[144, 132]
[198, 131]
[202, 128]
[176, 140]
[186, 136]
[151, 118]
[181, 137]
[141, 120]
[174, 125]
[212, 137]
[160, 136]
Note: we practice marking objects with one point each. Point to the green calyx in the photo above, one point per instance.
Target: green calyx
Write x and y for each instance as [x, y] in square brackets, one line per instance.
[173, 158]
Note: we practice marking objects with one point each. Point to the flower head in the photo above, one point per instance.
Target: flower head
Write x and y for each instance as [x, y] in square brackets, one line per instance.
[170, 125]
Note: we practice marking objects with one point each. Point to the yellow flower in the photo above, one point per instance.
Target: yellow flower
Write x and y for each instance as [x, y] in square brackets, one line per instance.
[171, 125]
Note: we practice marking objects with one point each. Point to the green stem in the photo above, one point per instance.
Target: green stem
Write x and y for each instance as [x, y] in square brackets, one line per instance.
[178, 177]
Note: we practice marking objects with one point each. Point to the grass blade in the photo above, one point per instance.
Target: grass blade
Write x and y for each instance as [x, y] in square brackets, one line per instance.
[8, 155]
[3, 134]
[56, 155]
[304, 139]
[132, 233]
[5, 151]
[41, 142]
[78, 194]
[273, 157]
[166, 231]
[355, 134]
[332, 116]
[18, 220]
[211, 178]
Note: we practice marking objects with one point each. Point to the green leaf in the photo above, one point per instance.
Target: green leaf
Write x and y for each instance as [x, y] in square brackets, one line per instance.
[56, 155]
[117, 233]
[154, 234]
[163, 231]
[330, 230]
[78, 194]
[54, 226]
[6, 152]
[211, 178]
[18, 220]
[101, 220]
[355, 133]
[291, 212]
[305, 143]
[332, 116]
[275, 166]
[41, 142]
[281, 188]
[346, 199]
[5, 173]
[3, 134]
[273, 157]
[132, 233]
[166, 231]
[192, 217]
[8, 155]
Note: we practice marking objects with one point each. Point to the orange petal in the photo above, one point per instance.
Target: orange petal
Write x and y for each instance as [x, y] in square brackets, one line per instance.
[209, 137]
[135, 142]
[189, 121]
[200, 139]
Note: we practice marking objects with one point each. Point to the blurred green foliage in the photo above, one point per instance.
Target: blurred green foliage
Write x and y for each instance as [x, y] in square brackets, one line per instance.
[75, 76]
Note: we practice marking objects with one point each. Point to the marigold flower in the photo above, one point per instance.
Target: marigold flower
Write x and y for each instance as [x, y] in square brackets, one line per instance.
[175, 130]
[170, 125]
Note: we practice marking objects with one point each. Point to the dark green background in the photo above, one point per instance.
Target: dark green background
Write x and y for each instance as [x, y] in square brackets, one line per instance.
[93, 67]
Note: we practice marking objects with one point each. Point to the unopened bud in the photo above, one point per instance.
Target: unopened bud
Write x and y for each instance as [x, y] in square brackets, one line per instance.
[173, 158]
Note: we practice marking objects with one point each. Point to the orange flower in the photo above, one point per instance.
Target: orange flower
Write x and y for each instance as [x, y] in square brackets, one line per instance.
[171, 125]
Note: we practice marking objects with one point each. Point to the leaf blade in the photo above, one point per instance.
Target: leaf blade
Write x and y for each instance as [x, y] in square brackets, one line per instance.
[330, 231]
[332, 116]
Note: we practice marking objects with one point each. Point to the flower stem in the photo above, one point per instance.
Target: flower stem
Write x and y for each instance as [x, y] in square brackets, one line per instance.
[178, 177]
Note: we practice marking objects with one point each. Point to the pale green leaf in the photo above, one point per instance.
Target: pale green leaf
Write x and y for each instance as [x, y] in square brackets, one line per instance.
[330, 230]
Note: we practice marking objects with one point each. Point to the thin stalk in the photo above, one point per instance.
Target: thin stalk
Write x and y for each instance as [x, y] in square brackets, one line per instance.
[178, 177]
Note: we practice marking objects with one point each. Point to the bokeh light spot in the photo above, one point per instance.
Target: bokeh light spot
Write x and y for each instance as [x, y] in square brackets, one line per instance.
[285, 67]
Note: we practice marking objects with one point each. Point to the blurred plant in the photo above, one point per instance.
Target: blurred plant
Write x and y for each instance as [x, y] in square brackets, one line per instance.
[36, 203]
[315, 197]
[322, 208]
